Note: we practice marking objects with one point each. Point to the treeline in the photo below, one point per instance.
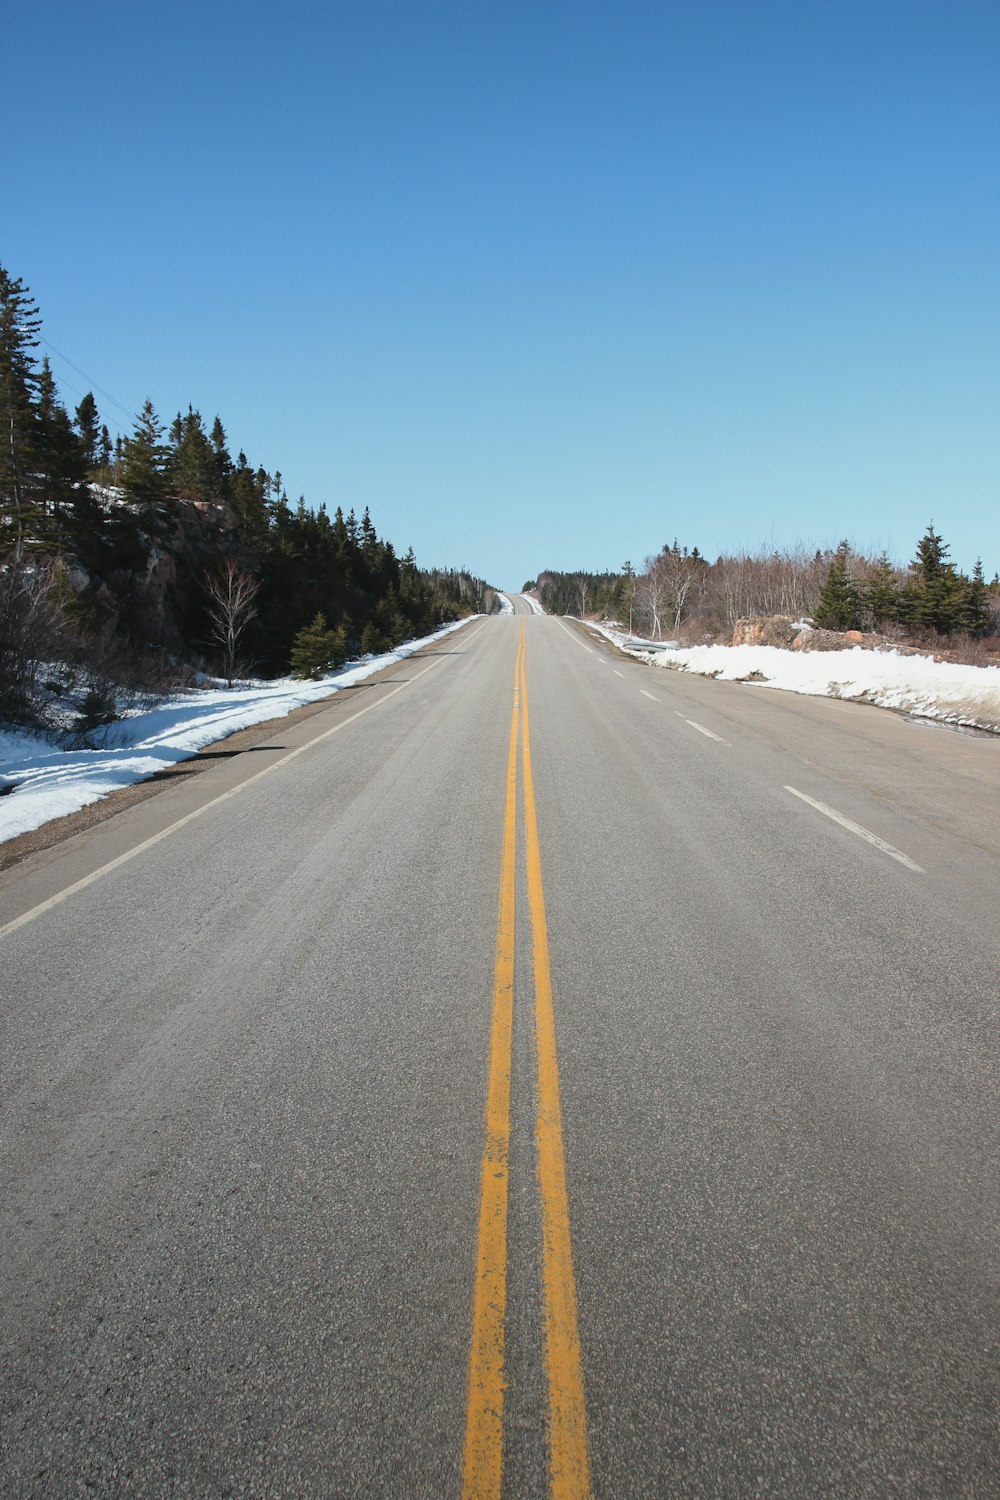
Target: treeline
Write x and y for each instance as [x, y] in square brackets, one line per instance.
[135, 560]
[680, 593]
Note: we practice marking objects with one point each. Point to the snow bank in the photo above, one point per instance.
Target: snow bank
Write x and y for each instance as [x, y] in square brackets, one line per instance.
[49, 783]
[919, 685]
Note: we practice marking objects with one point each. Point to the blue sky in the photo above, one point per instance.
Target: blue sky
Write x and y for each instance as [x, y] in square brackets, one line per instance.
[544, 285]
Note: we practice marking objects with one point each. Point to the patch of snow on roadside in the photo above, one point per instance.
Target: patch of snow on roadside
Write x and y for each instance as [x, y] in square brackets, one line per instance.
[919, 685]
[49, 783]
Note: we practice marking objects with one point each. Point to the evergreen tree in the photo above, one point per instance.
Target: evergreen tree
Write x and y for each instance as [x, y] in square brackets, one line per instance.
[145, 457]
[222, 463]
[60, 464]
[318, 649]
[880, 596]
[192, 467]
[978, 614]
[247, 494]
[936, 595]
[839, 603]
[19, 323]
[88, 427]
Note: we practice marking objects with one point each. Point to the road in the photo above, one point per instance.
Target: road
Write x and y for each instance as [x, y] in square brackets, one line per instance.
[525, 1076]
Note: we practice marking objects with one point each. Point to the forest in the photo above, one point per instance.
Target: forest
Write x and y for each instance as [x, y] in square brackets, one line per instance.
[678, 593]
[137, 565]
[130, 566]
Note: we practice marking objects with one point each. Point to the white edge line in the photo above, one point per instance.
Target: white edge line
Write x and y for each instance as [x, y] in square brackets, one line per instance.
[164, 833]
[575, 637]
[864, 833]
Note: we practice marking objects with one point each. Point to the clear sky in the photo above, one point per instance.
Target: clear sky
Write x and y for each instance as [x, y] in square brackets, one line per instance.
[543, 284]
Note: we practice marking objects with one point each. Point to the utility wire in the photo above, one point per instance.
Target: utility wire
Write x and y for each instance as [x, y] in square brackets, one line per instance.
[93, 383]
[109, 422]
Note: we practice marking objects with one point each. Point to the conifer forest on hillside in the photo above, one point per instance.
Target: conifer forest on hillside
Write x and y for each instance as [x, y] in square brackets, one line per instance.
[128, 566]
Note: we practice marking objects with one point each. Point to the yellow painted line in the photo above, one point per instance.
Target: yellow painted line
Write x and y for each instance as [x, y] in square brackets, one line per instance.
[569, 1467]
[484, 1419]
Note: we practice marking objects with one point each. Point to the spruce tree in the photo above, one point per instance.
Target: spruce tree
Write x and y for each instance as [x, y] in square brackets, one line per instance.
[317, 648]
[839, 603]
[19, 324]
[144, 464]
[978, 613]
[221, 462]
[60, 465]
[88, 426]
[192, 468]
[880, 596]
[936, 596]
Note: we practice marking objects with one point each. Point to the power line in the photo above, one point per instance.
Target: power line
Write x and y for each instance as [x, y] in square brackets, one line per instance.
[110, 422]
[93, 383]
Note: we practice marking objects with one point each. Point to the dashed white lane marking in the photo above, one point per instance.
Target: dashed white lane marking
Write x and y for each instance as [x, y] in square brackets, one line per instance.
[617, 673]
[649, 695]
[702, 730]
[864, 833]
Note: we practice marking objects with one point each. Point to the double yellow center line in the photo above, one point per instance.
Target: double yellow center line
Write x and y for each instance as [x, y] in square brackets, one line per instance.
[567, 1431]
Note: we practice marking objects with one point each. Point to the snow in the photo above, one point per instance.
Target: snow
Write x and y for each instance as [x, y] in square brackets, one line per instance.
[919, 685]
[506, 607]
[536, 607]
[49, 783]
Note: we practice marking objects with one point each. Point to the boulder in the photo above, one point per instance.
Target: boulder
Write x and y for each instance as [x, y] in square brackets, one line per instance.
[775, 630]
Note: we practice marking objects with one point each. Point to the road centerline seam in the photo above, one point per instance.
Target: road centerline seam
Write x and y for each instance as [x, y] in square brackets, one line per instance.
[483, 1463]
[569, 1465]
[568, 1470]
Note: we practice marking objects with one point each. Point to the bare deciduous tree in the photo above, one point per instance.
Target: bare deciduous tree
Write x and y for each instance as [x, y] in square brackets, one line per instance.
[231, 607]
[32, 628]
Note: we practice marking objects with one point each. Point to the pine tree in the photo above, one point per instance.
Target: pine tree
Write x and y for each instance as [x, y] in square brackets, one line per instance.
[839, 603]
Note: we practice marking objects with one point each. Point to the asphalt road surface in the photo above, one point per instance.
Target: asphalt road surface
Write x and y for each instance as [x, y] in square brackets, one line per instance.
[535, 1074]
